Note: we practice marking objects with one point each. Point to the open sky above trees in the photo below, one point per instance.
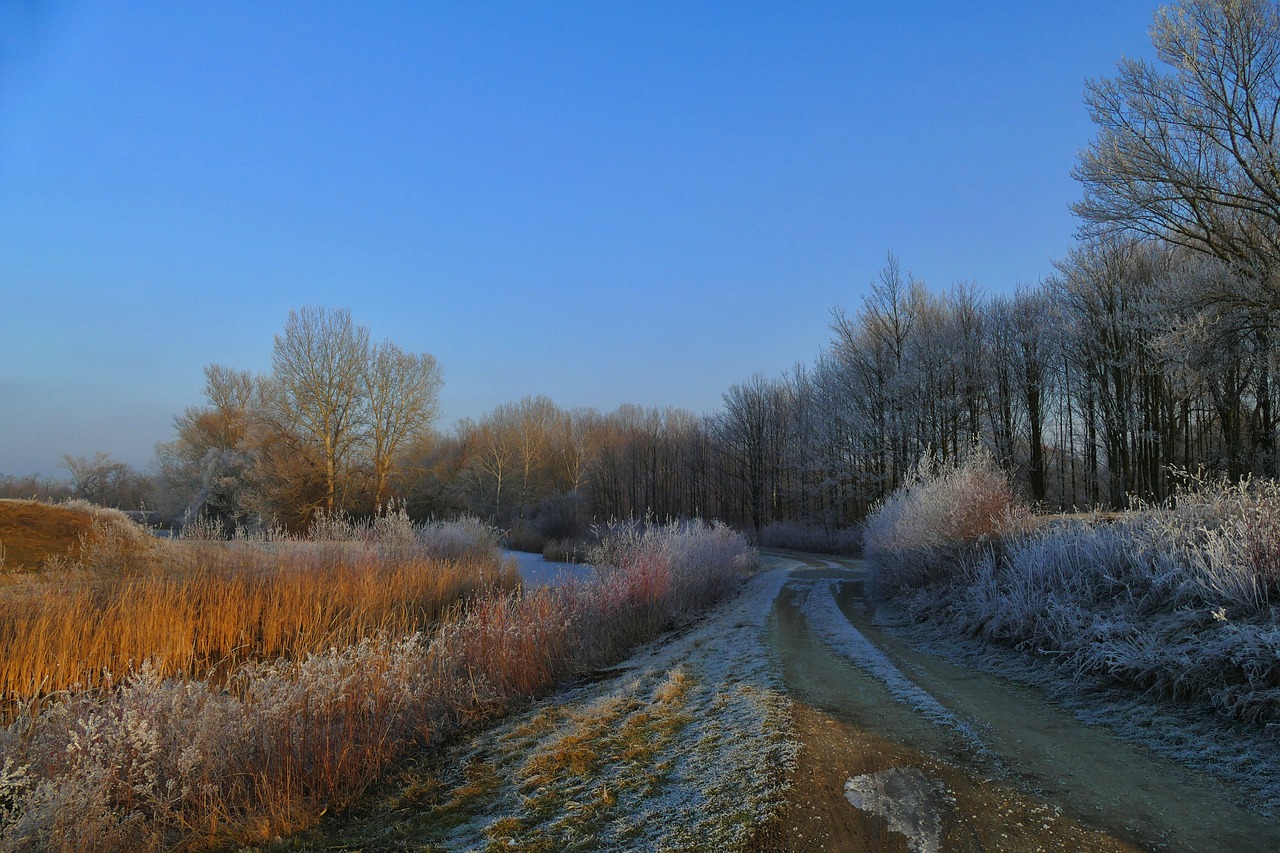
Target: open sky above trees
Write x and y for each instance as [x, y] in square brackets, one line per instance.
[599, 203]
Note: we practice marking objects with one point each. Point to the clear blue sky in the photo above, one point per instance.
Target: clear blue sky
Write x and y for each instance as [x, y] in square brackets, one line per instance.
[601, 202]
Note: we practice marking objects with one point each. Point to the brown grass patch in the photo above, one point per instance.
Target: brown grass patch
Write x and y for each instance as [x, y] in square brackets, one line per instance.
[33, 532]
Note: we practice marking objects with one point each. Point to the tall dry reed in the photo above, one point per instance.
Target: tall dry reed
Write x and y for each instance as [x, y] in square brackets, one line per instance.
[192, 607]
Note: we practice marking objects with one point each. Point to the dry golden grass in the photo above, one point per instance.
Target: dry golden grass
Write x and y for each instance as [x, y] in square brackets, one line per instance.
[204, 608]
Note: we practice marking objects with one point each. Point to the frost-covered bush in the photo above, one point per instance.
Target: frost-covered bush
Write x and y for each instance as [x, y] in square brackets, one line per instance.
[799, 536]
[1177, 601]
[651, 575]
[1229, 537]
[457, 539]
[391, 532]
[203, 528]
[943, 515]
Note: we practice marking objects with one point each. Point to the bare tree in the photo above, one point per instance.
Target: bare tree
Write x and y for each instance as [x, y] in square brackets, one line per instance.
[316, 388]
[491, 449]
[1034, 345]
[401, 391]
[102, 480]
[1191, 156]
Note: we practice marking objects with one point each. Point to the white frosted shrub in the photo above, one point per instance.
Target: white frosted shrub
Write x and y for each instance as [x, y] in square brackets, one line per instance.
[203, 528]
[390, 531]
[1178, 602]
[938, 519]
[1230, 540]
[329, 526]
[694, 560]
[458, 538]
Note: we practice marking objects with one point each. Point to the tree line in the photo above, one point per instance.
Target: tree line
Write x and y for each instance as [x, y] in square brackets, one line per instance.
[1099, 383]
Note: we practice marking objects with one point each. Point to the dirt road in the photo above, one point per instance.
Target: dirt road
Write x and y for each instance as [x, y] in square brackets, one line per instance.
[903, 751]
[791, 719]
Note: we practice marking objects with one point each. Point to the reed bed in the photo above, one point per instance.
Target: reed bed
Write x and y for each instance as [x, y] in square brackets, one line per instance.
[178, 762]
[201, 608]
[204, 614]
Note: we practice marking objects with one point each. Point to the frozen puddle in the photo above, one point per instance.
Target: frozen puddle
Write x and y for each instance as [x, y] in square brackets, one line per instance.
[906, 799]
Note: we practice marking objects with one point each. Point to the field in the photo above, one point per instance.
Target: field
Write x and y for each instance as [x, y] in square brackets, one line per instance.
[107, 596]
[198, 694]
[385, 685]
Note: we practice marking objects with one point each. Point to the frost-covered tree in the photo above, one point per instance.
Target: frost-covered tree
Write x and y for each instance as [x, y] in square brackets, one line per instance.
[1188, 152]
[212, 465]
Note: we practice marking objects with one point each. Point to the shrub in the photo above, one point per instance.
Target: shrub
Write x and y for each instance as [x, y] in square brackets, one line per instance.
[944, 514]
[673, 568]
[1178, 602]
[461, 538]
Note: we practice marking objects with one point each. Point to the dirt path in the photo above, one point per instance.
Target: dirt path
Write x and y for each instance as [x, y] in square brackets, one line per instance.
[983, 763]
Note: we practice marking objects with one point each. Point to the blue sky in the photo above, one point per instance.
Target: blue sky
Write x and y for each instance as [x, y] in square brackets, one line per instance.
[601, 202]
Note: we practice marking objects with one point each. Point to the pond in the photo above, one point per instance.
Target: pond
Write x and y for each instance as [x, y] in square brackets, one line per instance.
[535, 570]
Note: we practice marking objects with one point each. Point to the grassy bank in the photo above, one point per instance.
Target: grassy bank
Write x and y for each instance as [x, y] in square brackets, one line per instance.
[34, 534]
[1178, 602]
[182, 762]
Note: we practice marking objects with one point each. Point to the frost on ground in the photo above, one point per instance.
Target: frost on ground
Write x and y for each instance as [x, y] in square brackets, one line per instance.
[687, 748]
[829, 623]
[906, 799]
